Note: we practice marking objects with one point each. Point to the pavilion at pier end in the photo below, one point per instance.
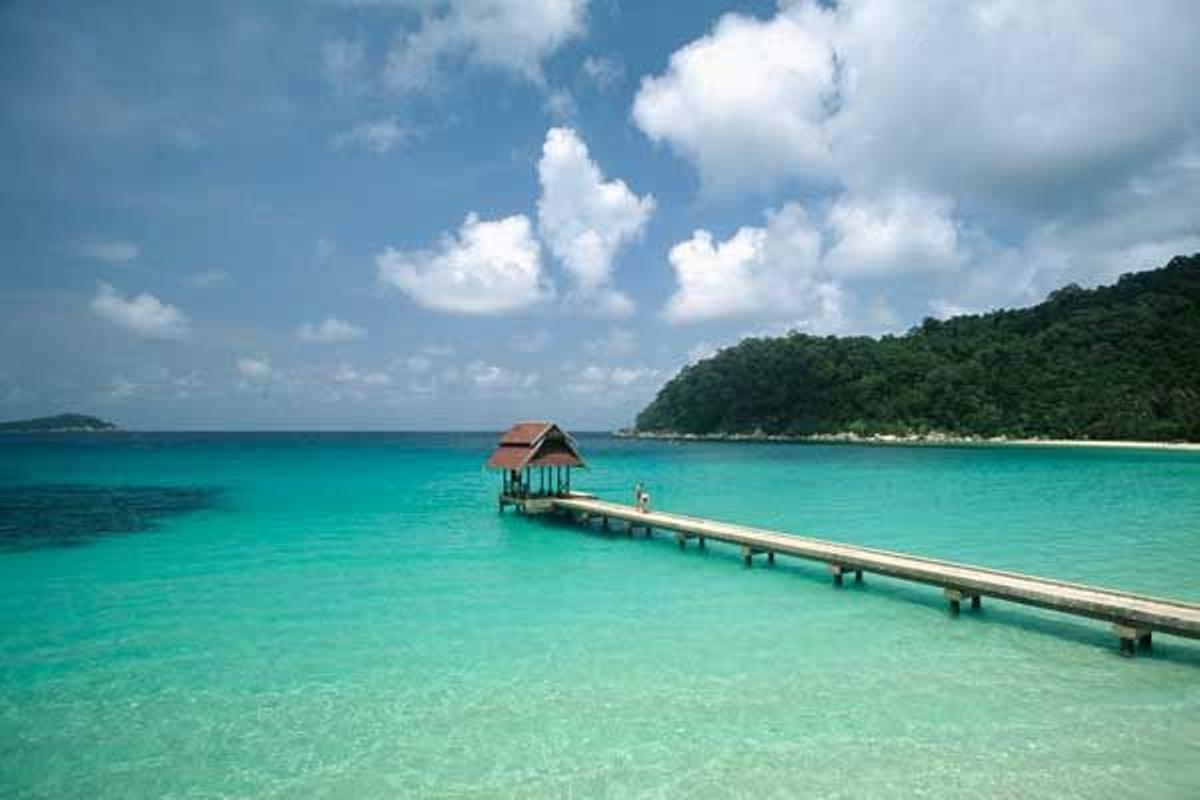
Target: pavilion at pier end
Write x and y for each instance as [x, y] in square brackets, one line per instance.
[535, 460]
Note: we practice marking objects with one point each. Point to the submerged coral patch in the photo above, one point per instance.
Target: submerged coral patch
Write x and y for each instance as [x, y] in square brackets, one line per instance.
[34, 516]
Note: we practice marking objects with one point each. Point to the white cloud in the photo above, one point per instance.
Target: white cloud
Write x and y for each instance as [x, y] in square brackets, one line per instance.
[1003, 106]
[371, 378]
[900, 233]
[747, 103]
[1023, 106]
[157, 382]
[255, 369]
[424, 360]
[110, 251]
[490, 267]
[143, 314]
[330, 330]
[207, 278]
[378, 136]
[490, 379]
[586, 220]
[514, 36]
[770, 271]
[603, 71]
[599, 381]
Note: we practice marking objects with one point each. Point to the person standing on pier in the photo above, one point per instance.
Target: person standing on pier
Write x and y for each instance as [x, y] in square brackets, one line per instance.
[641, 498]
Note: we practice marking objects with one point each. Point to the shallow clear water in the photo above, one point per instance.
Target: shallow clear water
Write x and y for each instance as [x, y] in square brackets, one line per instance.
[347, 616]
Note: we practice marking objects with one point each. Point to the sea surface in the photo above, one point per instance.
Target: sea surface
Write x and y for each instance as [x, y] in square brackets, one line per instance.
[348, 616]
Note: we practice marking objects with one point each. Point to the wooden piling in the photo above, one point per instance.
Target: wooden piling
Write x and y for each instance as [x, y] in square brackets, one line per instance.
[1131, 638]
[956, 596]
[838, 572]
[1134, 616]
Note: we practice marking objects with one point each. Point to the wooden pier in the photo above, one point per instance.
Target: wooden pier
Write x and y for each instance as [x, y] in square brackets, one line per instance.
[1134, 617]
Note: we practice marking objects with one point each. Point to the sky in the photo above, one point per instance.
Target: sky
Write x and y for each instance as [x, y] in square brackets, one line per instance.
[452, 214]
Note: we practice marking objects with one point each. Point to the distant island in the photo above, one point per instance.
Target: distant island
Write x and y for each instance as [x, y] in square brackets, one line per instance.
[1118, 362]
[60, 423]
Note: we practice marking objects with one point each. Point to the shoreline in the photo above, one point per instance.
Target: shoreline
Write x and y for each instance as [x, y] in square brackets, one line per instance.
[910, 440]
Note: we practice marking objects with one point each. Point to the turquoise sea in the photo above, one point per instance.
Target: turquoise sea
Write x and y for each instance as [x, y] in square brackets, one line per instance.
[347, 616]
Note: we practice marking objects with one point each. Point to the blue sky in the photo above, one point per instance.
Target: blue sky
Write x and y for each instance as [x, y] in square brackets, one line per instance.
[427, 214]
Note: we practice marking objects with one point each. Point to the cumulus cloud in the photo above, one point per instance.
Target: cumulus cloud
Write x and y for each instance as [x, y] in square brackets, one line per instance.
[959, 155]
[376, 136]
[747, 103]
[898, 234]
[514, 36]
[110, 251]
[1018, 101]
[255, 369]
[143, 314]
[600, 381]
[330, 330]
[586, 220]
[772, 270]
[347, 374]
[489, 267]
[490, 379]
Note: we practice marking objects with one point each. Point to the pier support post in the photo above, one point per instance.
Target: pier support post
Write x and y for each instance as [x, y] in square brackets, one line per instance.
[838, 571]
[682, 539]
[956, 596]
[1131, 638]
[604, 524]
[749, 552]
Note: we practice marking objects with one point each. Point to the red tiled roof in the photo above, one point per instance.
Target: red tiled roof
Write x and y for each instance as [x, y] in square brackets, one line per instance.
[528, 444]
[525, 433]
[508, 458]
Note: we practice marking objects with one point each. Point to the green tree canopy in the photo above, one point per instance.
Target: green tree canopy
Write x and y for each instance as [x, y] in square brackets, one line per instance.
[1115, 362]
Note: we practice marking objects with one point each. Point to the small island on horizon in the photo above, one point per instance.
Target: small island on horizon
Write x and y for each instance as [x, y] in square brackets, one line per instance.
[59, 423]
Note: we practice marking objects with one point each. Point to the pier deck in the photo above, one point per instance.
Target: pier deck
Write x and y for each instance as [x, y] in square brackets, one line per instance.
[1134, 617]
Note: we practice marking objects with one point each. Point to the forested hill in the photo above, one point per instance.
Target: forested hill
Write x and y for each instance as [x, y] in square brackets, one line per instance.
[1116, 362]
